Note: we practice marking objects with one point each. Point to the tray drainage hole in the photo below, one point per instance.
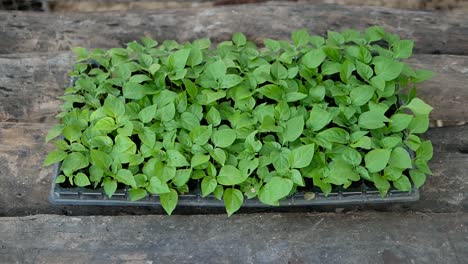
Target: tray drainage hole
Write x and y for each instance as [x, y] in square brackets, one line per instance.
[19, 195]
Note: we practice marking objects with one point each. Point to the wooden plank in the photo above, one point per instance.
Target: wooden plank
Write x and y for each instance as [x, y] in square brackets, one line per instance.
[26, 32]
[25, 184]
[30, 85]
[258, 238]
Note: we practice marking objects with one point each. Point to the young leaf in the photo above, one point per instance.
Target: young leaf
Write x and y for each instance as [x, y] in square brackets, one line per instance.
[372, 119]
[417, 177]
[81, 180]
[418, 107]
[201, 134]
[400, 159]
[54, 132]
[302, 156]
[403, 49]
[176, 159]
[137, 194]
[399, 122]
[54, 157]
[147, 113]
[169, 201]
[377, 159]
[335, 135]
[274, 190]
[387, 69]
[313, 58]
[126, 177]
[293, 129]
[361, 94]
[208, 185]
[182, 177]
[230, 175]
[223, 138]
[233, 200]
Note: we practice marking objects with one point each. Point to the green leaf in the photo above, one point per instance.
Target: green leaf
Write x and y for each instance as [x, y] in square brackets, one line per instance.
[54, 132]
[300, 37]
[199, 159]
[403, 184]
[346, 70]
[178, 59]
[105, 124]
[137, 194]
[166, 113]
[334, 135]
[213, 117]
[54, 157]
[361, 95]
[418, 107]
[372, 119]
[302, 156]
[126, 177]
[365, 71]
[387, 69]
[313, 58]
[272, 45]
[425, 151]
[101, 159]
[147, 114]
[377, 159]
[200, 135]
[239, 39]
[60, 179]
[352, 156]
[81, 180]
[176, 159]
[419, 124]
[399, 122]
[156, 186]
[110, 186]
[216, 70]
[278, 71]
[233, 200]
[293, 129]
[182, 177]
[139, 78]
[189, 121]
[136, 91]
[378, 82]
[230, 80]
[295, 96]
[169, 201]
[417, 177]
[230, 175]
[73, 162]
[422, 75]
[274, 190]
[400, 158]
[318, 119]
[381, 183]
[272, 91]
[364, 142]
[403, 49]
[223, 138]
[195, 56]
[208, 185]
[219, 155]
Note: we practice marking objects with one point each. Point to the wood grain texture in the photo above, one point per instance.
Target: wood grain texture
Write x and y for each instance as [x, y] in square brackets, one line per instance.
[26, 32]
[31, 83]
[380, 238]
[25, 184]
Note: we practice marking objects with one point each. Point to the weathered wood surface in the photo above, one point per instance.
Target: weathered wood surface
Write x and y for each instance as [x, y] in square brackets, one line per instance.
[31, 83]
[261, 238]
[25, 184]
[26, 32]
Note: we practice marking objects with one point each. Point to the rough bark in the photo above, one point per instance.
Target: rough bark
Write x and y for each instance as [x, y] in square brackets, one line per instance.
[26, 32]
[260, 238]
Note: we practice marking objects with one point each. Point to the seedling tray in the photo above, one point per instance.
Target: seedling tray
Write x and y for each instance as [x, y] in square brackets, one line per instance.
[361, 194]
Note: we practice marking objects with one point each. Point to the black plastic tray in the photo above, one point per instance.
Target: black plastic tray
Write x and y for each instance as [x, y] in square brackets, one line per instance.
[352, 196]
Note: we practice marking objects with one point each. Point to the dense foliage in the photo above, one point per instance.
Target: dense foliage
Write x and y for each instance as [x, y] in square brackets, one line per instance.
[245, 122]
